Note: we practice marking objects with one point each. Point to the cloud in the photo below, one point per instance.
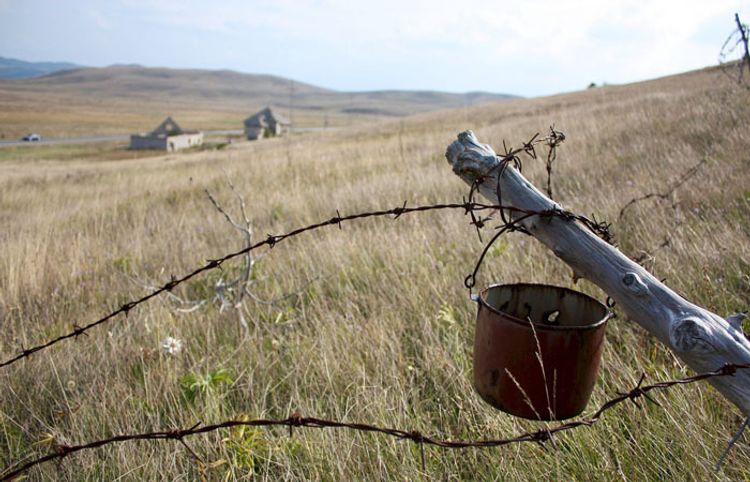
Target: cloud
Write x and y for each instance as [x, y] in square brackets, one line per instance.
[99, 19]
[5, 5]
[477, 44]
[541, 26]
[617, 40]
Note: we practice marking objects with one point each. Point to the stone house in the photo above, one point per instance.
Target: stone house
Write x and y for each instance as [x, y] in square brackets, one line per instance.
[265, 123]
[169, 136]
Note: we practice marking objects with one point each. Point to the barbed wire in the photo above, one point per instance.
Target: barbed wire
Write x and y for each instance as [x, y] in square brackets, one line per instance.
[647, 256]
[212, 264]
[739, 37]
[511, 219]
[509, 223]
[663, 196]
[552, 141]
[541, 436]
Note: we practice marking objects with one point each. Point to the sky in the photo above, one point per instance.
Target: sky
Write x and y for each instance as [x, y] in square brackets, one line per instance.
[528, 48]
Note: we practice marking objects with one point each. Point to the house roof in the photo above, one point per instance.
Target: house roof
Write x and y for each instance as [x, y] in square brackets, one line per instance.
[265, 118]
[167, 128]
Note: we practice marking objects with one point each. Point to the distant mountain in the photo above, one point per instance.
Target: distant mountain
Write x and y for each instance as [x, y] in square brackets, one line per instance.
[133, 98]
[224, 88]
[20, 69]
[138, 82]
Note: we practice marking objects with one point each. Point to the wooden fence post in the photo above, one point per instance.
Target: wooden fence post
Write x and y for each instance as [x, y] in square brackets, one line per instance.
[703, 340]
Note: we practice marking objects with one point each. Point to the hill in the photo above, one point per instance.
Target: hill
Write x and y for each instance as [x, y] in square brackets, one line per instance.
[124, 98]
[21, 69]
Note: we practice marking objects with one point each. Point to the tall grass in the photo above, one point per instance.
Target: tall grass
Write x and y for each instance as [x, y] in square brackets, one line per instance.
[382, 332]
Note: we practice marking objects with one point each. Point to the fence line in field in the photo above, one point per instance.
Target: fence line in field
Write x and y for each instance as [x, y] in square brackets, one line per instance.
[541, 436]
[468, 206]
[511, 219]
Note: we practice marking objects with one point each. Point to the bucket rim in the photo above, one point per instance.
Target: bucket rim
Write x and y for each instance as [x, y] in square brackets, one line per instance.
[539, 326]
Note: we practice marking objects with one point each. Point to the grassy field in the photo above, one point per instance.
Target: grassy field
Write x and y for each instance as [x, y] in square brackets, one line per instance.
[382, 330]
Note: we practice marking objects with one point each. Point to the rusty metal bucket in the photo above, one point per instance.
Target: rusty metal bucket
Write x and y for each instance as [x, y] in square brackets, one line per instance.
[537, 349]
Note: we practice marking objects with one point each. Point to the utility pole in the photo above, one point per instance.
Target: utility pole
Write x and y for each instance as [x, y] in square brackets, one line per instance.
[288, 140]
[291, 103]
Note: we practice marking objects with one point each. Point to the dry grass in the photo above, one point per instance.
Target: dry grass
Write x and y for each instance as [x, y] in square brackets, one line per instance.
[383, 332]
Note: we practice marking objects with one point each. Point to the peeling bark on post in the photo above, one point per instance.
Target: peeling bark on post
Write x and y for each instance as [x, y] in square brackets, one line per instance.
[703, 340]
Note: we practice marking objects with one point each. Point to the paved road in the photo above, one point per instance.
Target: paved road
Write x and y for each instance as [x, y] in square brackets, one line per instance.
[49, 141]
[122, 138]
[64, 140]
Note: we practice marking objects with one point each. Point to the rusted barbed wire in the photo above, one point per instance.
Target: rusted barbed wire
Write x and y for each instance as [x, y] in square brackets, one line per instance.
[509, 222]
[270, 241]
[648, 255]
[685, 177]
[601, 229]
[552, 141]
[297, 420]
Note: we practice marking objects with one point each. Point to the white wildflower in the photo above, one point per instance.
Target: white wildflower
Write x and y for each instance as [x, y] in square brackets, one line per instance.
[171, 346]
[696, 210]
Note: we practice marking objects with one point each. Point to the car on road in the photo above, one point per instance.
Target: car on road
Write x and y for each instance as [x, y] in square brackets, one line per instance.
[32, 138]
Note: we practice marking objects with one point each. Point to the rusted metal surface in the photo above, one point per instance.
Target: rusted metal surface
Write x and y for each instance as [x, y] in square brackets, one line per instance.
[537, 349]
